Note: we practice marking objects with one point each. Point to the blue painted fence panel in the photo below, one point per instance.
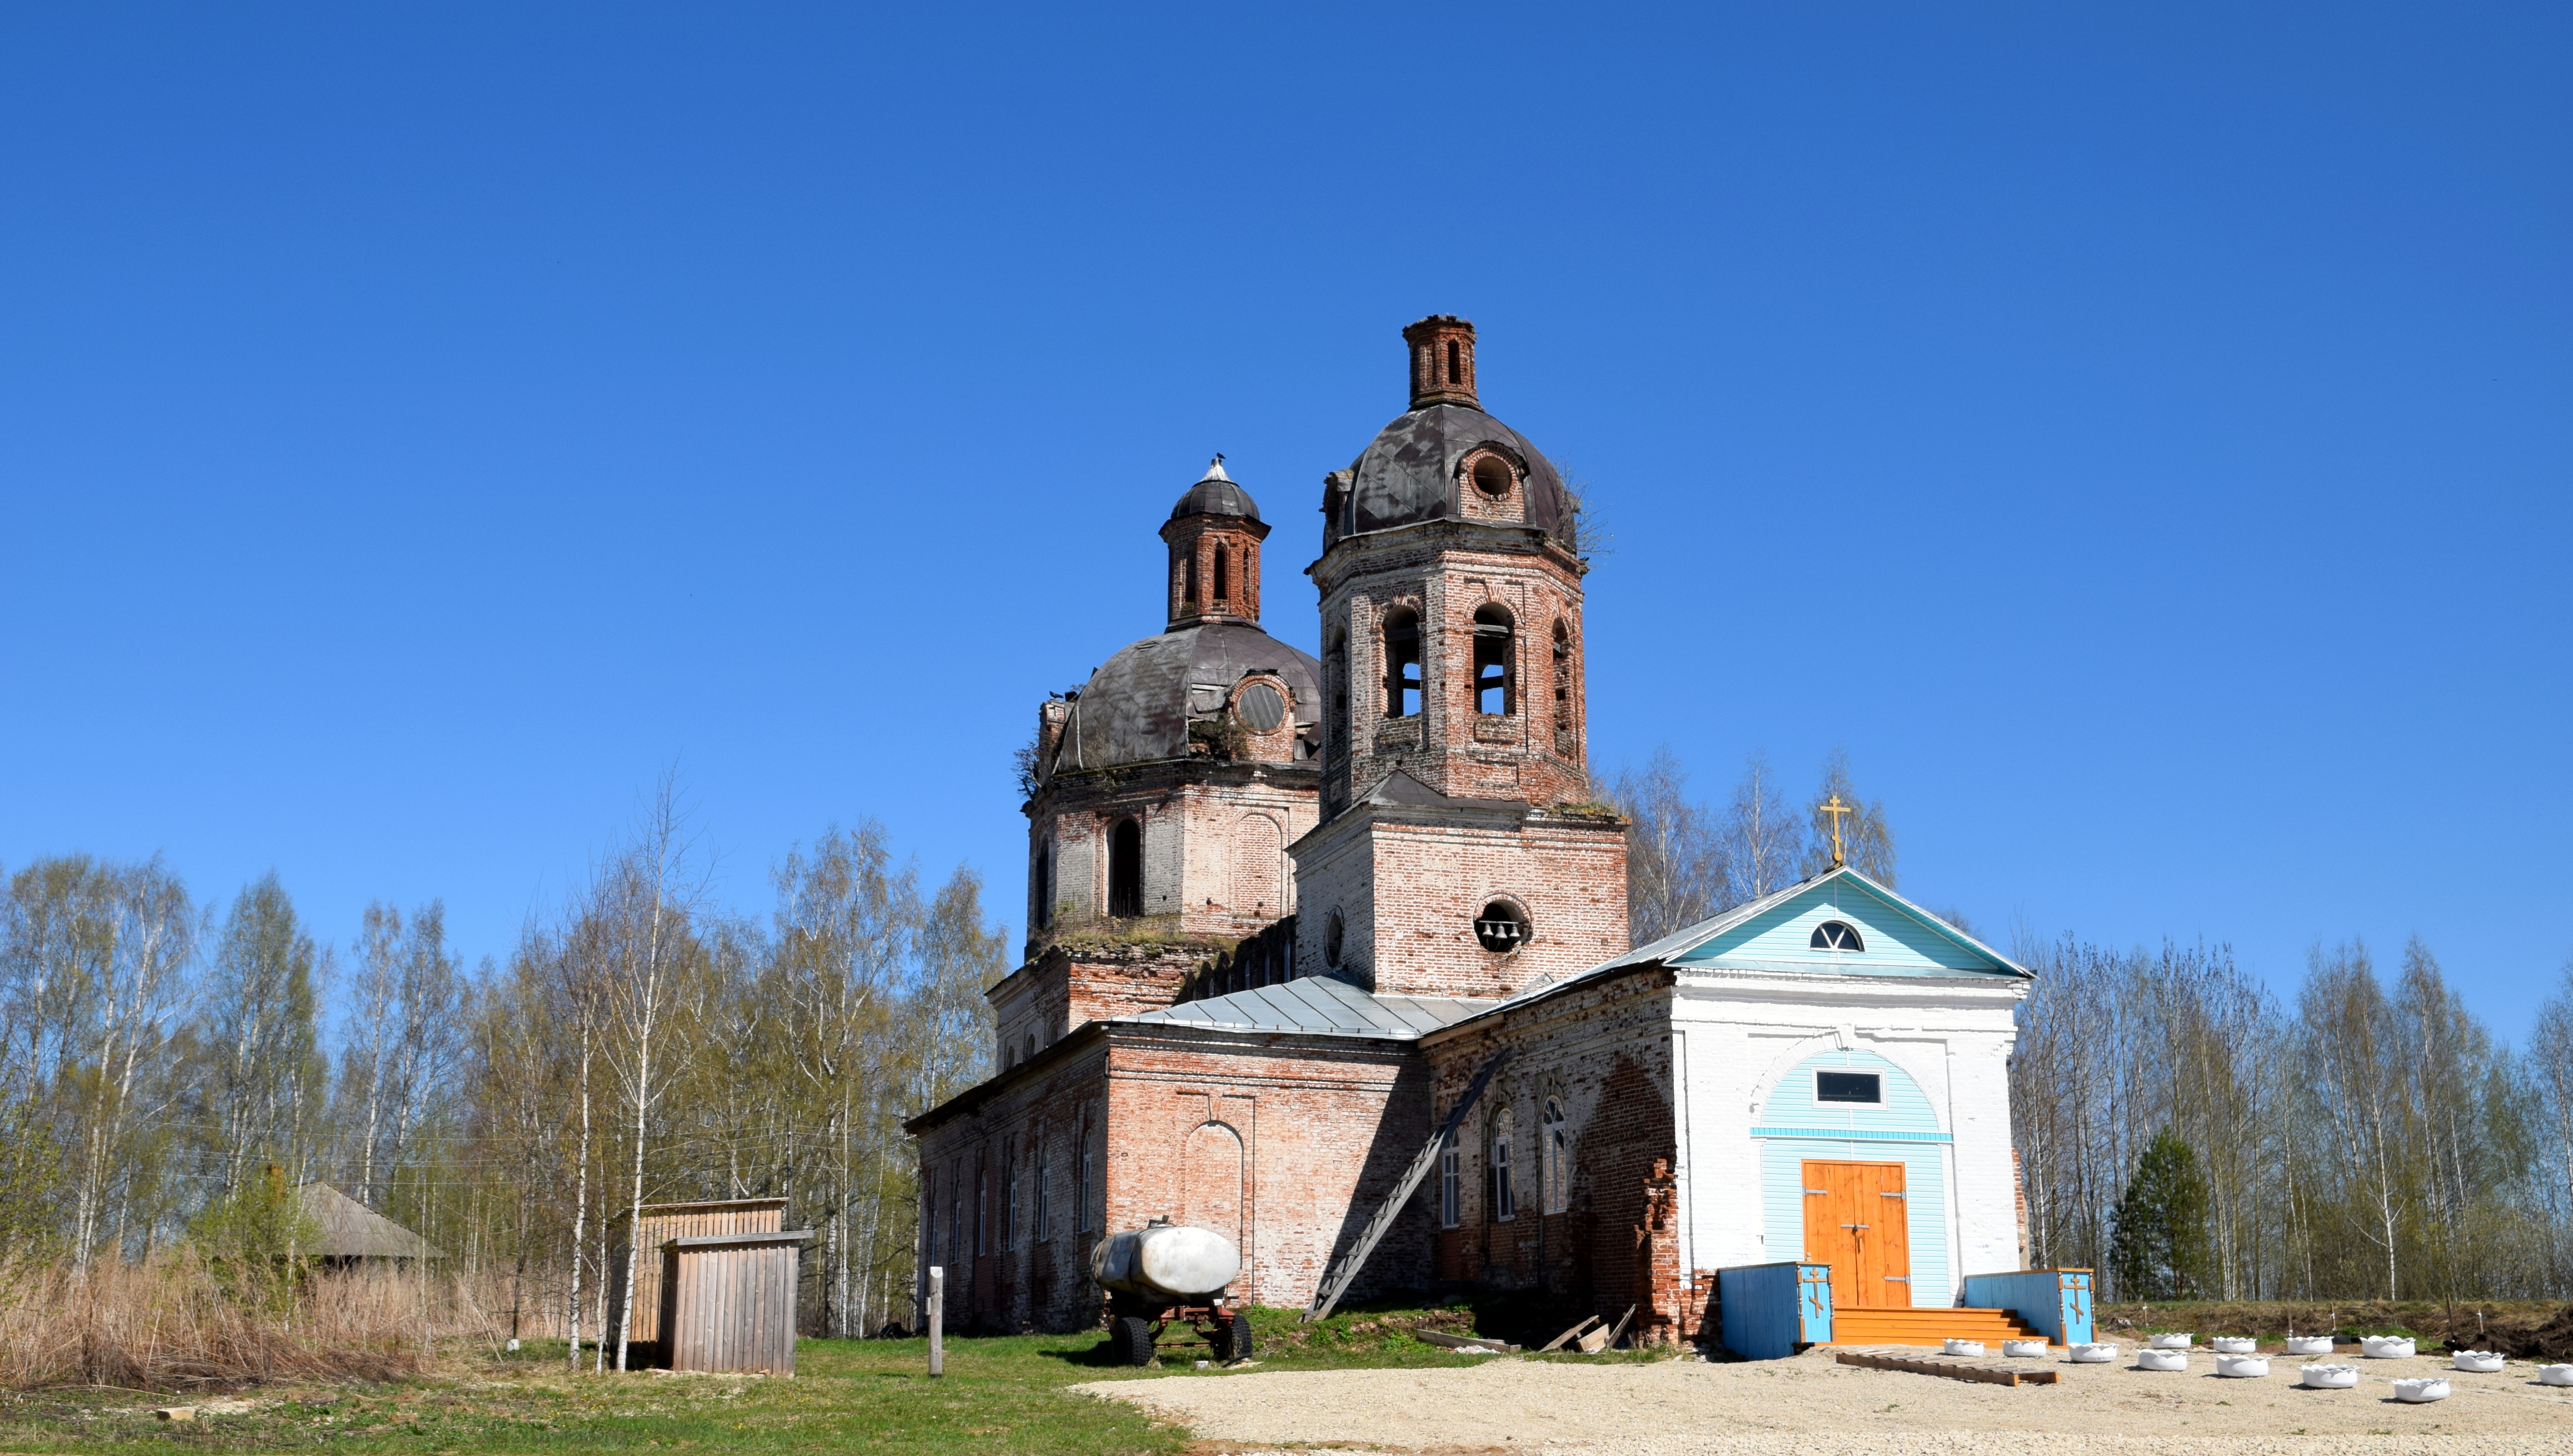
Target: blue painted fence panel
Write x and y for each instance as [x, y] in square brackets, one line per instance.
[1770, 1311]
[2057, 1302]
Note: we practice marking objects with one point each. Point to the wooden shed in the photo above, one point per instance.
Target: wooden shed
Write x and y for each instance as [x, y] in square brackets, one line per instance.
[728, 1301]
[659, 1223]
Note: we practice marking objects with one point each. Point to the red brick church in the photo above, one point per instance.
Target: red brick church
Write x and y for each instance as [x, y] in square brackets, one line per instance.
[1284, 910]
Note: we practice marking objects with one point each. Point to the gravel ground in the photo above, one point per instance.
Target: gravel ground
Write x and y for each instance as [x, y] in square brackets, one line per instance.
[1505, 1404]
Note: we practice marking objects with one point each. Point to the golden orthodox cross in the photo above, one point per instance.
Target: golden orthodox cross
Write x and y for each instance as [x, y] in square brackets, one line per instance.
[1835, 808]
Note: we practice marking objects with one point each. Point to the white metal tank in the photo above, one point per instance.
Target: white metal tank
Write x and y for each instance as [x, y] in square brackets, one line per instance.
[1167, 1261]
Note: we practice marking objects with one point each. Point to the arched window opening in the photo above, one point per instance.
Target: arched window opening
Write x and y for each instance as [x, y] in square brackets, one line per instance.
[1126, 869]
[1335, 673]
[1492, 475]
[1562, 674]
[1502, 927]
[1554, 1159]
[1505, 1205]
[1223, 579]
[1402, 663]
[1449, 1192]
[1454, 362]
[1334, 937]
[1492, 660]
[1045, 886]
[1836, 935]
[1045, 1221]
[1189, 590]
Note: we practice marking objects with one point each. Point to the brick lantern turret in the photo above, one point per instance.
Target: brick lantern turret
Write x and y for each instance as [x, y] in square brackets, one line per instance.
[1215, 534]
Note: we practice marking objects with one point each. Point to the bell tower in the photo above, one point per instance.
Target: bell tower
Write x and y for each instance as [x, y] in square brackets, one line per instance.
[1461, 852]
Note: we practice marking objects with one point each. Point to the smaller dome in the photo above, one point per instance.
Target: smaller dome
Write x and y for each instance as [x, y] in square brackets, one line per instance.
[1215, 494]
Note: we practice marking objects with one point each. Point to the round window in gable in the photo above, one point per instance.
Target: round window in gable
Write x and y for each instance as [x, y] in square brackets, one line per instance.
[1502, 927]
[1261, 707]
[1333, 934]
[1836, 935]
[1492, 476]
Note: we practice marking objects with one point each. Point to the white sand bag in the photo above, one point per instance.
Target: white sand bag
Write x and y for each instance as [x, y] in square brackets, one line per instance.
[2386, 1347]
[2243, 1367]
[2417, 1392]
[2481, 1362]
[2555, 1374]
[2161, 1359]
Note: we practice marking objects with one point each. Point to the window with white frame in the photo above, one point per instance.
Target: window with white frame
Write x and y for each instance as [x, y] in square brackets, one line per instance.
[1447, 1190]
[1554, 1157]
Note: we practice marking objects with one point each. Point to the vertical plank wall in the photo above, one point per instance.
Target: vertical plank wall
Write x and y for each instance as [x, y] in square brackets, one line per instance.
[662, 1222]
[729, 1301]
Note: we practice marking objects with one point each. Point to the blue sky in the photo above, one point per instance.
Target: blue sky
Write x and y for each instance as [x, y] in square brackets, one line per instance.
[2141, 438]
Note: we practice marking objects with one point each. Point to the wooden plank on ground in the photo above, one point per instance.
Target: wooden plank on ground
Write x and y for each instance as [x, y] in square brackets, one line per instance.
[1600, 1340]
[1953, 1367]
[1556, 1343]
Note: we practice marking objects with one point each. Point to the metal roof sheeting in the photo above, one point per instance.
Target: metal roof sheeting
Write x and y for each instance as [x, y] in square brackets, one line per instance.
[1318, 1005]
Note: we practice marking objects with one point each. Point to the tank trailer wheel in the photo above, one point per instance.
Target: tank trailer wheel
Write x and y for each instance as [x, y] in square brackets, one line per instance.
[1237, 1337]
[1130, 1340]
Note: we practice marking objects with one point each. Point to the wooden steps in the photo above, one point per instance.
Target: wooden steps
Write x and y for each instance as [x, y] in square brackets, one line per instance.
[1928, 1328]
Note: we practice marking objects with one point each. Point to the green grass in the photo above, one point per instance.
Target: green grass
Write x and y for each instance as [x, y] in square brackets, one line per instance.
[999, 1395]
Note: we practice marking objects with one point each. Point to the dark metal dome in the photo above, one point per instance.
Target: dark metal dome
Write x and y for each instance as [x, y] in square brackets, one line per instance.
[1136, 708]
[1215, 494]
[1408, 475]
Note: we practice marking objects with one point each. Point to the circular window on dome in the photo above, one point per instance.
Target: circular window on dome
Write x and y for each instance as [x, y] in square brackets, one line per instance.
[1492, 476]
[1502, 927]
[1261, 707]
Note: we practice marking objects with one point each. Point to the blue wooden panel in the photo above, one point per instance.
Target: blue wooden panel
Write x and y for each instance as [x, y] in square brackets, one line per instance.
[1900, 940]
[1770, 1311]
[1906, 1108]
[2057, 1302]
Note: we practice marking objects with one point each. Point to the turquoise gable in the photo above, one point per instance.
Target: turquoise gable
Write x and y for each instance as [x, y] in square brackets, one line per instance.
[1899, 937]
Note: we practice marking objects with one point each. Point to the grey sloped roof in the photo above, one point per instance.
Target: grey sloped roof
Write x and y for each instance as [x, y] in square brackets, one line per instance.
[1136, 708]
[350, 1229]
[1408, 475]
[1217, 494]
[1318, 1005]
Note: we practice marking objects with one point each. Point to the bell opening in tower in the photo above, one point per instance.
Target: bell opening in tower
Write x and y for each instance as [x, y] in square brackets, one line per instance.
[1402, 664]
[1126, 869]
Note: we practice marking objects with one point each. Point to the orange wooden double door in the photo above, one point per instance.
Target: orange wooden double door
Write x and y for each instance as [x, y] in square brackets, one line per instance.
[1856, 1222]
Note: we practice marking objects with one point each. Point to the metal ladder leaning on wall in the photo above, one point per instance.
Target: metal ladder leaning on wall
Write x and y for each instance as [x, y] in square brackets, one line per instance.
[1336, 1280]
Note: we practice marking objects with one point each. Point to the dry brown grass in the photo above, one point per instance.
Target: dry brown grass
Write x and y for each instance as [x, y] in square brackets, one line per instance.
[174, 1322]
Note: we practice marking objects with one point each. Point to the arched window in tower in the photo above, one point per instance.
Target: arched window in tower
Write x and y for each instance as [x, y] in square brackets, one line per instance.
[1402, 663]
[1126, 869]
[1335, 677]
[1505, 1203]
[1562, 676]
[1189, 590]
[1455, 363]
[1045, 886]
[1492, 660]
[1223, 587]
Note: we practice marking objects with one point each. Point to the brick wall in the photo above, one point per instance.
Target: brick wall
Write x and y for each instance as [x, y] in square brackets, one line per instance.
[1214, 838]
[1601, 1052]
[1283, 1143]
[1408, 883]
[1445, 571]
